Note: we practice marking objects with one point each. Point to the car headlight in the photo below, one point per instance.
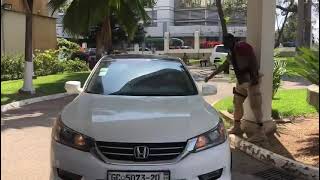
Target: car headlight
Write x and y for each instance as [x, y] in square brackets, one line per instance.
[209, 139]
[64, 135]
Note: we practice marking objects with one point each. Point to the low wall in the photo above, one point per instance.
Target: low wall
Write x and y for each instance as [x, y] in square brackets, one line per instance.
[191, 53]
[313, 95]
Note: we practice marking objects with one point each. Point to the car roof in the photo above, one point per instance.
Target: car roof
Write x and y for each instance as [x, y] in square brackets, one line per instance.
[139, 56]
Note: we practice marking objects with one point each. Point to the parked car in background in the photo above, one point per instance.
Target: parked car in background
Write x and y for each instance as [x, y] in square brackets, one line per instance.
[140, 117]
[289, 44]
[185, 47]
[219, 52]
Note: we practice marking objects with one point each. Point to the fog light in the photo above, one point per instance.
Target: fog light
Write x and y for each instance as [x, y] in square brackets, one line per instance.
[212, 175]
[65, 175]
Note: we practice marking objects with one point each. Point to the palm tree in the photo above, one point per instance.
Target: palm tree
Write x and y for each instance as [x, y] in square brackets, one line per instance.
[222, 18]
[81, 15]
[223, 26]
[28, 66]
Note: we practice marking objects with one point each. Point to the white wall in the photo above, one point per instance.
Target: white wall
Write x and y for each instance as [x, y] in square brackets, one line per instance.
[188, 31]
[154, 31]
[13, 32]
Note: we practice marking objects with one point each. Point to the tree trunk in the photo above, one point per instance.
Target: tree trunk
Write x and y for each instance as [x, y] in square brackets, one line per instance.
[104, 38]
[221, 17]
[223, 26]
[308, 29]
[28, 66]
[300, 26]
[281, 31]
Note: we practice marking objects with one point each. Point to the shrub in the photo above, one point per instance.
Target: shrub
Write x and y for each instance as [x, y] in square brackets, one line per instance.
[12, 67]
[307, 63]
[44, 63]
[276, 52]
[47, 62]
[279, 69]
[67, 48]
[74, 66]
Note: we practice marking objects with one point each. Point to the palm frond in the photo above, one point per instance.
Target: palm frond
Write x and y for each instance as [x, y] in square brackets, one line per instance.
[308, 65]
[81, 15]
[54, 5]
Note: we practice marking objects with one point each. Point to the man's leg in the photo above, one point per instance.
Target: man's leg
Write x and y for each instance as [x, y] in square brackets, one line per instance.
[239, 96]
[255, 99]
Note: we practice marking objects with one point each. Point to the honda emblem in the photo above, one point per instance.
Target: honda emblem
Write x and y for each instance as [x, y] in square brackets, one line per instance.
[141, 152]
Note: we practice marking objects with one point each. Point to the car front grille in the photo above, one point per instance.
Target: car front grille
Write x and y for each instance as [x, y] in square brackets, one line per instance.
[126, 151]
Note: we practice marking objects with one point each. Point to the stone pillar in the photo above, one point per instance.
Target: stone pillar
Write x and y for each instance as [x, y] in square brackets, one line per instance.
[166, 42]
[260, 34]
[197, 41]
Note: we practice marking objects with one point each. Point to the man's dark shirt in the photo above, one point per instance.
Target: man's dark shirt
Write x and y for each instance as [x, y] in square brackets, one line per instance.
[247, 72]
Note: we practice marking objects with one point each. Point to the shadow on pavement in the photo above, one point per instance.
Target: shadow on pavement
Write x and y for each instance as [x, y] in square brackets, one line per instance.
[37, 114]
[278, 148]
[31, 121]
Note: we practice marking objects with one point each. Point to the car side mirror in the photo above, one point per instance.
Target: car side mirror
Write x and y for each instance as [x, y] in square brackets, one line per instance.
[209, 89]
[73, 87]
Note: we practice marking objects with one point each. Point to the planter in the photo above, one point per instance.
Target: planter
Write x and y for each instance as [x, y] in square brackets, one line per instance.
[313, 95]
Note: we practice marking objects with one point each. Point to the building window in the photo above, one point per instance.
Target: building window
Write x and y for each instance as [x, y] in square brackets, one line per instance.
[153, 18]
[184, 4]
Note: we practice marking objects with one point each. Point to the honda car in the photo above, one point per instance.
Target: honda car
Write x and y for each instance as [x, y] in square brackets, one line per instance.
[139, 117]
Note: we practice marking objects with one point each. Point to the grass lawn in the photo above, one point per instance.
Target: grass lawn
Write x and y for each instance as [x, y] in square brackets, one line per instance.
[44, 85]
[287, 103]
[194, 61]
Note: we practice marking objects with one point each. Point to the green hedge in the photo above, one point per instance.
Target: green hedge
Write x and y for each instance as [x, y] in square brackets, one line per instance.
[12, 67]
[45, 63]
[74, 66]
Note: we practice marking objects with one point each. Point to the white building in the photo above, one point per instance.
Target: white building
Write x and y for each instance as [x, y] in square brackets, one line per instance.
[181, 18]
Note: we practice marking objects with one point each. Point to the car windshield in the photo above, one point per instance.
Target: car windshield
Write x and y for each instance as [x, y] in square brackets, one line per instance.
[222, 49]
[141, 77]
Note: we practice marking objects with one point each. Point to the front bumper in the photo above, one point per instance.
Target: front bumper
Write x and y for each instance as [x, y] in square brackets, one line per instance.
[189, 168]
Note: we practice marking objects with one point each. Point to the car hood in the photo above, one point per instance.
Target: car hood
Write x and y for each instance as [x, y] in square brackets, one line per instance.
[138, 118]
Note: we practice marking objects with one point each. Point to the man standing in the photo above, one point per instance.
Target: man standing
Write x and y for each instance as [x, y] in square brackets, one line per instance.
[246, 68]
[185, 59]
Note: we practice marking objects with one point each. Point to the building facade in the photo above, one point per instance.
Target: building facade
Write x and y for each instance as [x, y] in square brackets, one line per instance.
[181, 18]
[13, 20]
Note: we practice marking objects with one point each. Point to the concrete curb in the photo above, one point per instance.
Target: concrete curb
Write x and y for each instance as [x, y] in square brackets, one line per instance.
[18, 104]
[290, 166]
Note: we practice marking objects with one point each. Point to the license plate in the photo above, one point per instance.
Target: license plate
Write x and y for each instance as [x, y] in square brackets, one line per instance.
[137, 175]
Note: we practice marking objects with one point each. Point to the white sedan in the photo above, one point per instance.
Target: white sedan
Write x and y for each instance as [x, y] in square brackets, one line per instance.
[139, 118]
[219, 52]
